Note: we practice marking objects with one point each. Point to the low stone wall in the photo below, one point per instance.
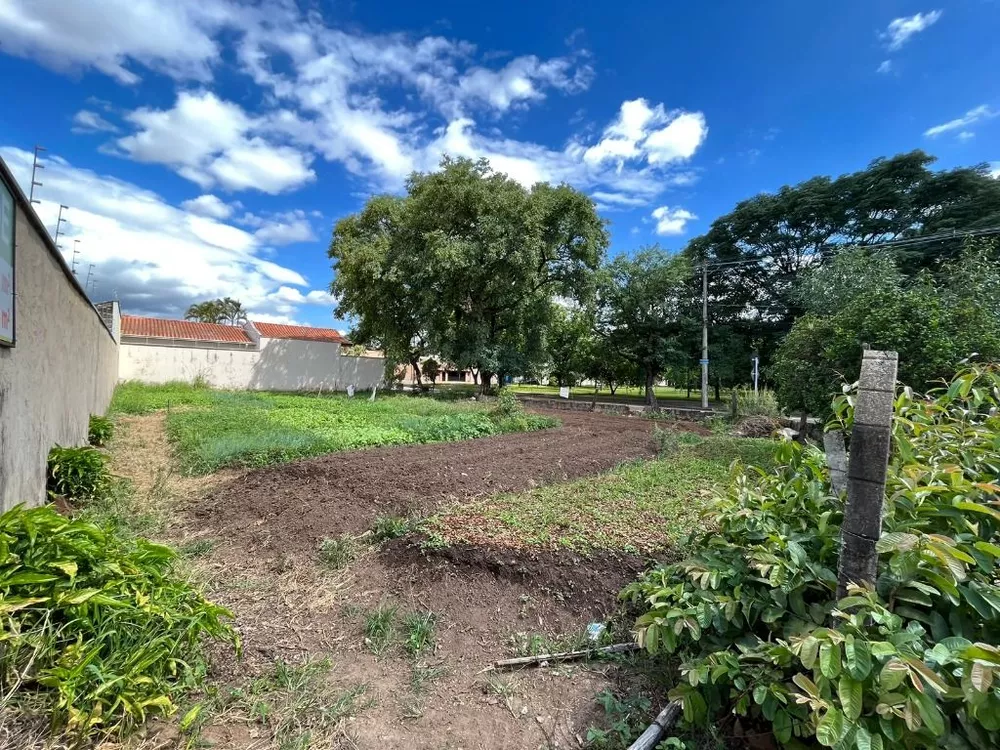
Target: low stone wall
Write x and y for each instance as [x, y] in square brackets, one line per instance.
[673, 412]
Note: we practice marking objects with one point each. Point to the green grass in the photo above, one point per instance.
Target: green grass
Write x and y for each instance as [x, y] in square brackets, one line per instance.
[213, 429]
[418, 628]
[379, 628]
[640, 507]
[337, 553]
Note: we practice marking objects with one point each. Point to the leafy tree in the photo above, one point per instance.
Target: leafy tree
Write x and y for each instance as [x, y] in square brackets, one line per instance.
[225, 310]
[432, 369]
[569, 341]
[769, 241]
[372, 287]
[467, 265]
[641, 311]
[864, 298]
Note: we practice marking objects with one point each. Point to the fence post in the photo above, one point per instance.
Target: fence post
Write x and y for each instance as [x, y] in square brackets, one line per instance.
[866, 469]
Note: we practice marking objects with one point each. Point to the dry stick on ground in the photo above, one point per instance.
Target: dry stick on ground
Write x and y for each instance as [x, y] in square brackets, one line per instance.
[523, 661]
[654, 733]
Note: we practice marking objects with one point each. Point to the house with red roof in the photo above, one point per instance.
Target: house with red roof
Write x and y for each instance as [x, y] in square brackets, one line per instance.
[256, 355]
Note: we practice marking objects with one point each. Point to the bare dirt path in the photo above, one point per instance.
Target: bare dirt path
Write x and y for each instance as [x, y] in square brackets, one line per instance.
[253, 538]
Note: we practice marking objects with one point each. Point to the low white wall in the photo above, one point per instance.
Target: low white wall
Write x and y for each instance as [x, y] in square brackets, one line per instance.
[62, 369]
[280, 365]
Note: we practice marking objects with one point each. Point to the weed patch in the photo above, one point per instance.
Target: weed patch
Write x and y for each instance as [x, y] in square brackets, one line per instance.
[639, 508]
[379, 628]
[391, 527]
[418, 628]
[337, 553]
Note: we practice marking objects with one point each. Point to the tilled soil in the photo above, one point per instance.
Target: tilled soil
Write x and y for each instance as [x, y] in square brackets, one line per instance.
[265, 526]
[291, 508]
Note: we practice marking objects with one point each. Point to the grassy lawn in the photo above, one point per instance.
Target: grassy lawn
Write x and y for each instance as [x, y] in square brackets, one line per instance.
[630, 509]
[212, 429]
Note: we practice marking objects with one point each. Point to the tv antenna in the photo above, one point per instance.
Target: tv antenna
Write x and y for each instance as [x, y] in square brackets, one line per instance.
[35, 166]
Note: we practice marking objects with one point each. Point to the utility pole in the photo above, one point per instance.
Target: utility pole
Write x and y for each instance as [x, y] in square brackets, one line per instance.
[35, 166]
[704, 334]
[76, 252]
[59, 223]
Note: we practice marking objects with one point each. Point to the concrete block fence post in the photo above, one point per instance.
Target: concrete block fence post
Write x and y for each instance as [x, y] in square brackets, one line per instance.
[866, 469]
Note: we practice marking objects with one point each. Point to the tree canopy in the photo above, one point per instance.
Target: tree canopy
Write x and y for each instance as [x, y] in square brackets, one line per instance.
[465, 265]
[225, 310]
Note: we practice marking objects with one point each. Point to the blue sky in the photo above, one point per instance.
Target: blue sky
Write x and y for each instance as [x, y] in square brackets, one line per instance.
[206, 147]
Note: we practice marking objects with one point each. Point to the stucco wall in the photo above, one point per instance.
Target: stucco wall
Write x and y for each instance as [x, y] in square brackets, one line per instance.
[63, 367]
[280, 365]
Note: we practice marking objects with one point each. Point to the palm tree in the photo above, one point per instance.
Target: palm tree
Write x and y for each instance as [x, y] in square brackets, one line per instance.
[206, 312]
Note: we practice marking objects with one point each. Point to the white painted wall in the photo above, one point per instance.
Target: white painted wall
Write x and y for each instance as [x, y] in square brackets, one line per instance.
[62, 369]
[280, 365]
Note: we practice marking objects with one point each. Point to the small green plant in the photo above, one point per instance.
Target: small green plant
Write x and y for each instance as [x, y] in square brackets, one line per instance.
[197, 547]
[419, 632]
[763, 403]
[390, 527]
[78, 473]
[625, 718]
[379, 628]
[339, 552]
[95, 625]
[100, 431]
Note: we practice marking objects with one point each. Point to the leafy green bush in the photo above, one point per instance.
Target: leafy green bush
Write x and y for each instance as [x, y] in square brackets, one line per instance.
[100, 431]
[763, 403]
[391, 527]
[754, 618]
[77, 473]
[96, 628]
[506, 405]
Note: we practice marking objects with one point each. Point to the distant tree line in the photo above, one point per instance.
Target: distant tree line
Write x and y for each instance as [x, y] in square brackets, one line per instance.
[475, 269]
[226, 311]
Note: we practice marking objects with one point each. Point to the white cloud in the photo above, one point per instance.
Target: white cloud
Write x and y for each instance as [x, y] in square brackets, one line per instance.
[885, 67]
[671, 221]
[995, 170]
[156, 257]
[973, 116]
[636, 135]
[900, 30]
[966, 135]
[210, 206]
[169, 37]
[283, 229]
[208, 141]
[380, 105]
[86, 121]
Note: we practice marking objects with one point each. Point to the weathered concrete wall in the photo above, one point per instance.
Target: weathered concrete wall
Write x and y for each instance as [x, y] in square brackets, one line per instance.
[280, 365]
[62, 369]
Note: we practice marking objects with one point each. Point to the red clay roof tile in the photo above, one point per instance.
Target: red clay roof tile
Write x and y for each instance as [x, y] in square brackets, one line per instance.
[188, 330]
[301, 333]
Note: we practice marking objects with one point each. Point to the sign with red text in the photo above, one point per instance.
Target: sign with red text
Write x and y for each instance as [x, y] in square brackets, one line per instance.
[6, 266]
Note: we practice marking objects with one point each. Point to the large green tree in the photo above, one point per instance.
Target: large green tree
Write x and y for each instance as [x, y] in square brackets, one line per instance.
[467, 263]
[642, 306]
[863, 298]
[762, 248]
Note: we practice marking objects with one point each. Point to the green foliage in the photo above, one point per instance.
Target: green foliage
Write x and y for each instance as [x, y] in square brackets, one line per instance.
[625, 720]
[391, 527]
[94, 627]
[77, 473]
[100, 431]
[641, 508]
[506, 405]
[240, 428]
[642, 314]
[380, 628]
[431, 369]
[858, 298]
[763, 403]
[570, 344]
[339, 552]
[227, 311]
[465, 265]
[418, 629]
[753, 614]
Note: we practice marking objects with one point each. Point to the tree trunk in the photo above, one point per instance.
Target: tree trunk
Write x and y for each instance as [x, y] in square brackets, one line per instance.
[485, 379]
[475, 376]
[612, 386]
[650, 387]
[688, 374]
[415, 364]
[718, 388]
